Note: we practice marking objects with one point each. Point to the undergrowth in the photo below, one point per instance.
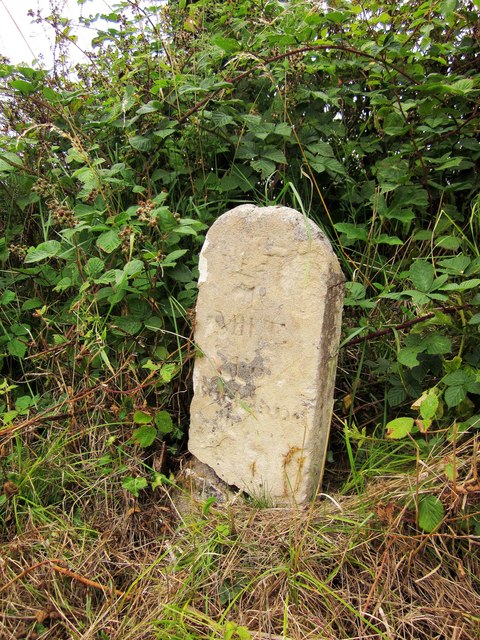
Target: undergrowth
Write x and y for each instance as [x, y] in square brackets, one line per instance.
[365, 118]
[113, 566]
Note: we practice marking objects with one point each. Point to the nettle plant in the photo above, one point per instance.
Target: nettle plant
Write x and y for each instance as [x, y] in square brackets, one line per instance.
[365, 115]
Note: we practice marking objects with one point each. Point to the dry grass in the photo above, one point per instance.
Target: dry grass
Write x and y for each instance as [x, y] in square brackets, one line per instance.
[113, 568]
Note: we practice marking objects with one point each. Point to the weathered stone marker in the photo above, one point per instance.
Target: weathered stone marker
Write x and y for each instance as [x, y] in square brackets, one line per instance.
[268, 326]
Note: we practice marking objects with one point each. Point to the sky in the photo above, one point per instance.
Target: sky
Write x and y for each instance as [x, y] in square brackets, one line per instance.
[22, 41]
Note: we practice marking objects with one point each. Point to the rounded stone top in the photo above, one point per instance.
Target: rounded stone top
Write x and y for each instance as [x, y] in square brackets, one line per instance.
[249, 214]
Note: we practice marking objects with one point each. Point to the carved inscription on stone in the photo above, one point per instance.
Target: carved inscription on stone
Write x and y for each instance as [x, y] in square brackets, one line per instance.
[267, 326]
[251, 326]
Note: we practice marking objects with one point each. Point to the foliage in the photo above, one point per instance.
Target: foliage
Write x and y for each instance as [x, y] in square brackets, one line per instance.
[363, 115]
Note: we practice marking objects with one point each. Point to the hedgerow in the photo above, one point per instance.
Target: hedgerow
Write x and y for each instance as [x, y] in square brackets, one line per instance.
[363, 115]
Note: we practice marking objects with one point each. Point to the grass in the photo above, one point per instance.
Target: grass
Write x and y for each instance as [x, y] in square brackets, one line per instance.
[83, 558]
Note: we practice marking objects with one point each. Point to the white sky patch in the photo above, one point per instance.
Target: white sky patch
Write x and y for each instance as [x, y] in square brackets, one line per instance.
[23, 41]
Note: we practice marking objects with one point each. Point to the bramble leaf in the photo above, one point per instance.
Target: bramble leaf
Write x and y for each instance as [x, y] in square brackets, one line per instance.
[142, 417]
[164, 422]
[399, 428]
[134, 485]
[144, 435]
[109, 241]
[430, 513]
[422, 274]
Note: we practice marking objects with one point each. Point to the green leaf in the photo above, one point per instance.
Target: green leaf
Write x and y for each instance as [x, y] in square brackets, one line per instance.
[149, 107]
[154, 323]
[399, 428]
[283, 129]
[430, 513]
[31, 303]
[396, 395]
[164, 423]
[145, 435]
[450, 366]
[473, 387]
[88, 177]
[450, 471]
[22, 329]
[276, 155]
[447, 7]
[462, 286]
[131, 326]
[456, 265]
[334, 167]
[264, 167]
[94, 267]
[133, 268]
[109, 276]
[17, 348]
[221, 119]
[229, 45]
[108, 241]
[409, 356]
[422, 275]
[168, 371]
[48, 249]
[151, 366]
[462, 86]
[24, 403]
[163, 133]
[429, 406]
[142, 417]
[451, 243]
[9, 416]
[459, 377]
[355, 292]
[436, 344]
[322, 149]
[398, 213]
[23, 86]
[65, 283]
[185, 231]
[159, 480]
[140, 143]
[171, 258]
[352, 231]
[386, 239]
[7, 297]
[12, 157]
[454, 396]
[134, 485]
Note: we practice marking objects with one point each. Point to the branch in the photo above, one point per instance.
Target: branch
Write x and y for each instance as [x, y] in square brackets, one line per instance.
[403, 325]
[56, 566]
[280, 56]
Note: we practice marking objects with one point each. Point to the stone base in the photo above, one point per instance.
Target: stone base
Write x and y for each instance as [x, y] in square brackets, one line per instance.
[197, 483]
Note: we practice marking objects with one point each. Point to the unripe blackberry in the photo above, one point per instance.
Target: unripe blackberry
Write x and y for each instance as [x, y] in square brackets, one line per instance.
[17, 251]
[62, 215]
[43, 188]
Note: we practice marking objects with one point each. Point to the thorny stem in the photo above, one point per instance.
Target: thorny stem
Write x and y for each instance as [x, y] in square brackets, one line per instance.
[404, 325]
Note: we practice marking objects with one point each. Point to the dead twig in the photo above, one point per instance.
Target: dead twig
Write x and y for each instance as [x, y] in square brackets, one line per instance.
[404, 325]
[56, 565]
